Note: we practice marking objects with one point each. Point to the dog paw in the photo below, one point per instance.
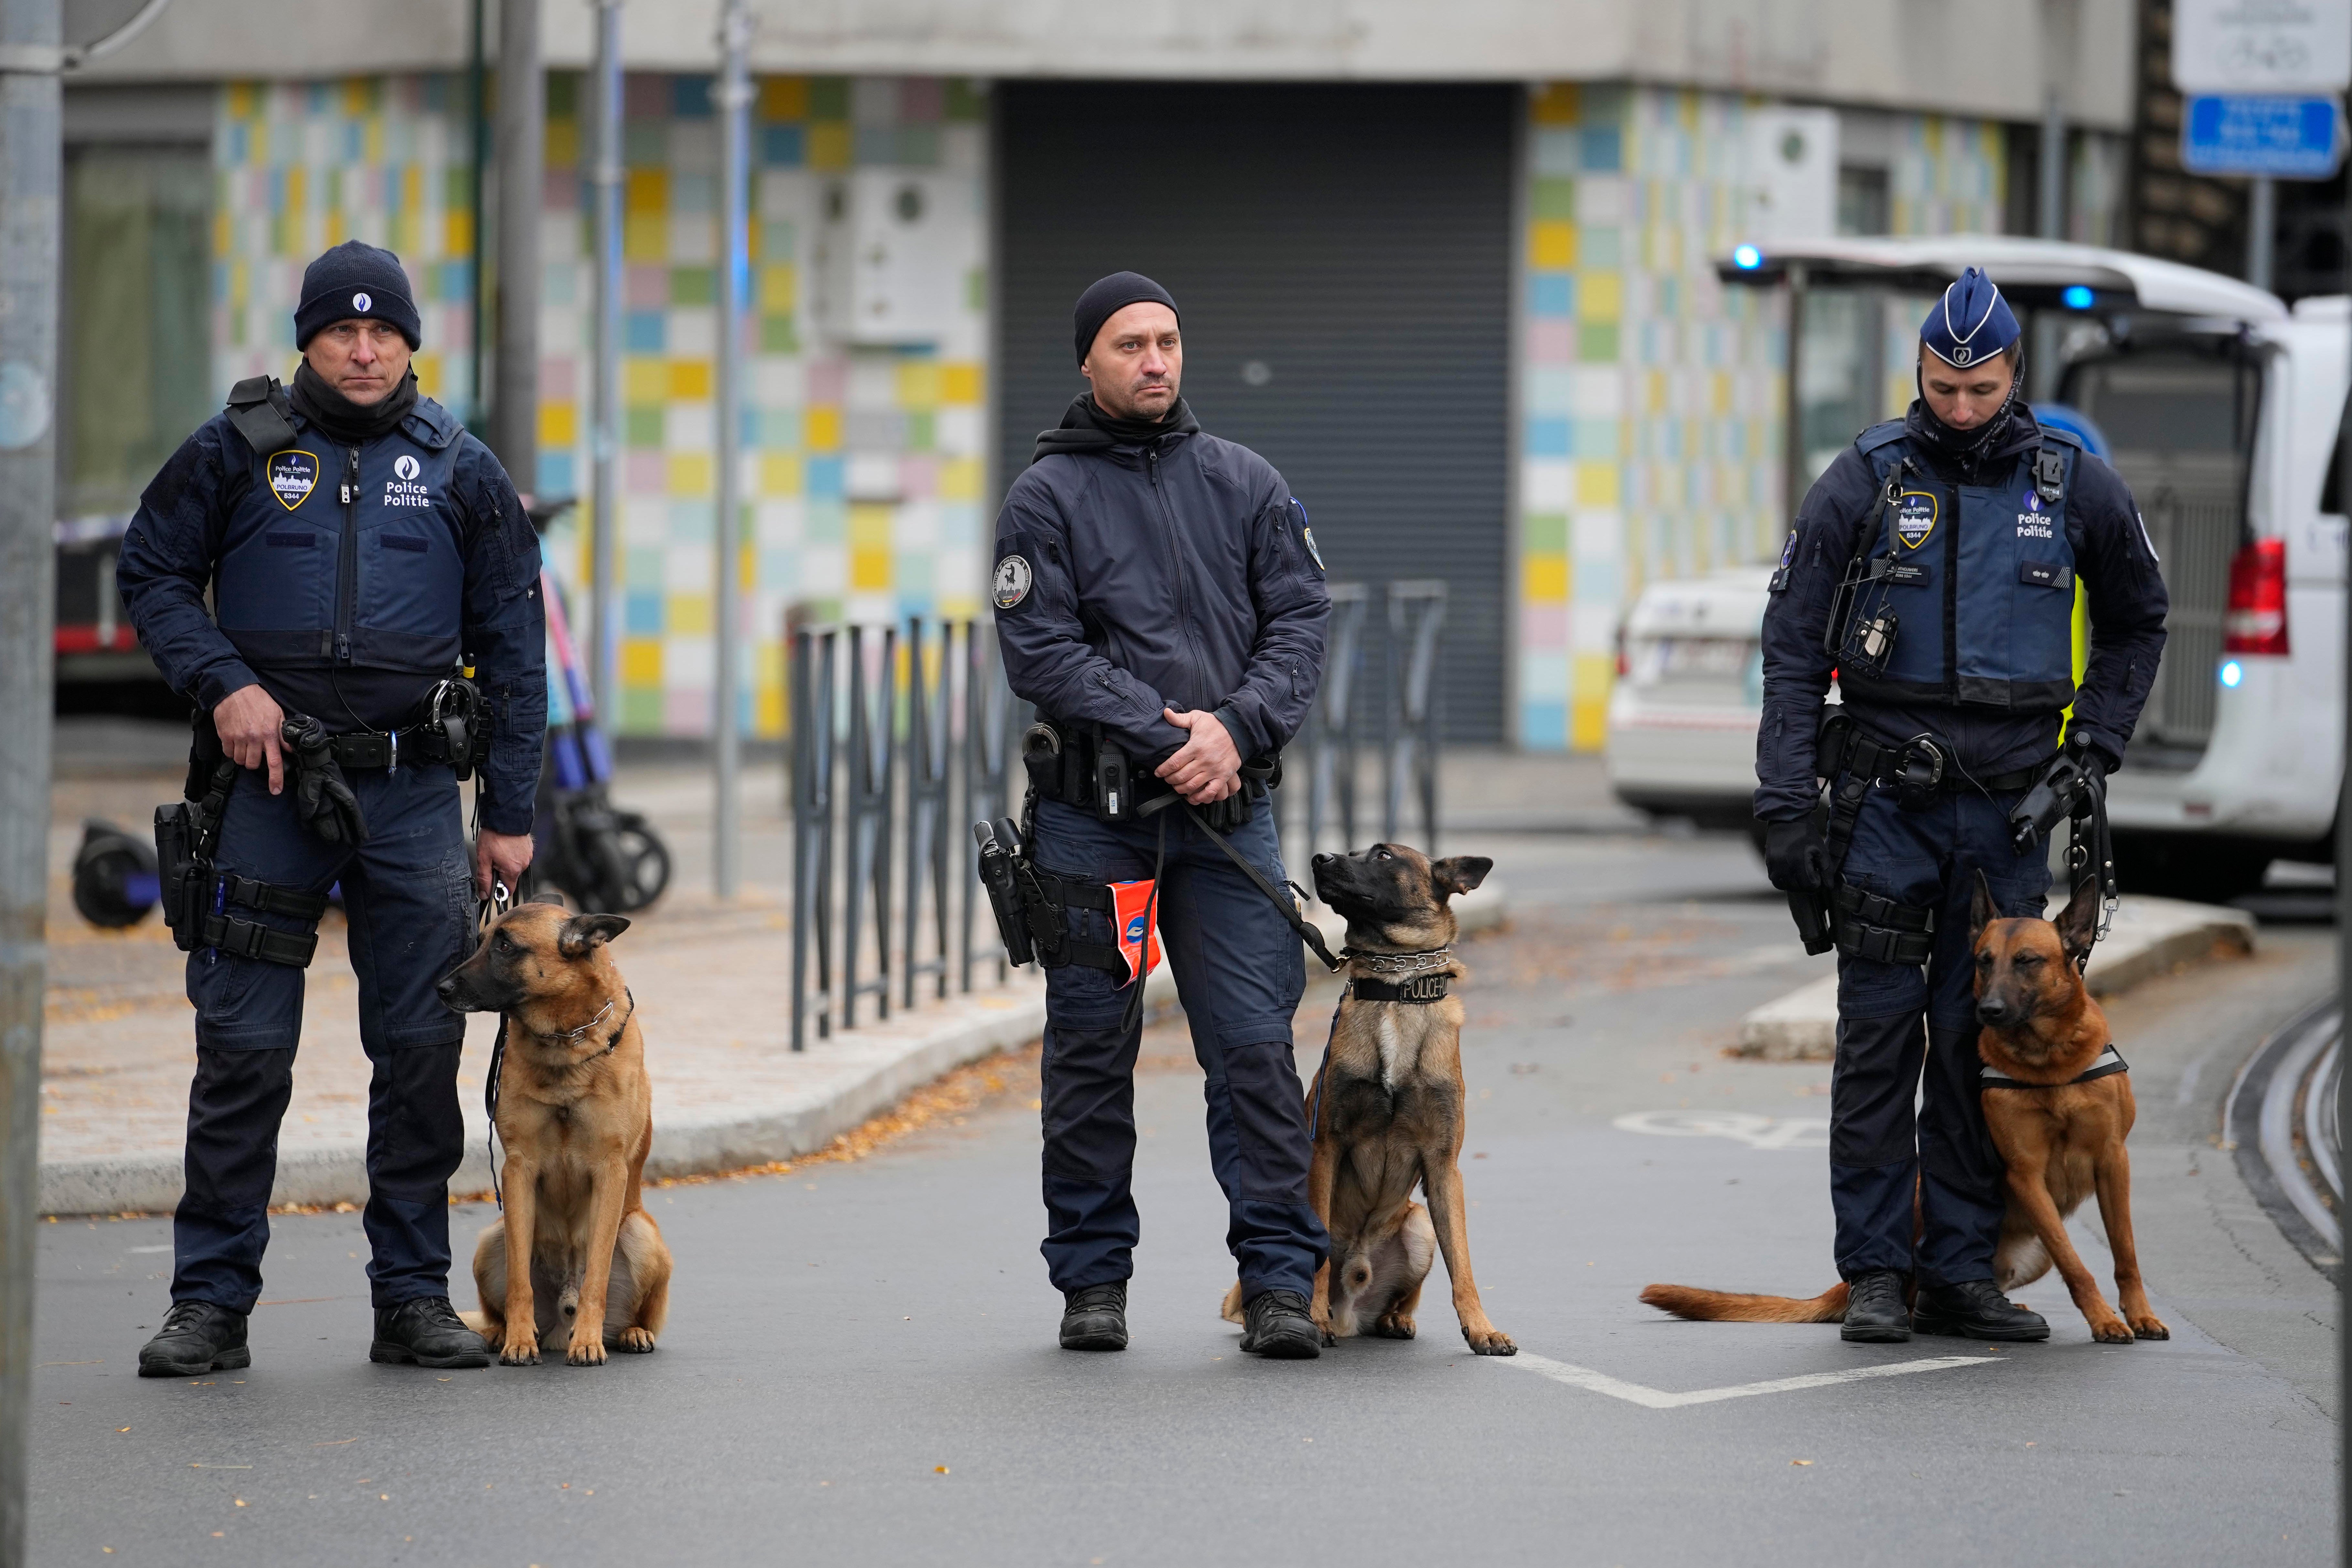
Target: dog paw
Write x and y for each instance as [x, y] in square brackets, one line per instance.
[1393, 1326]
[635, 1340]
[1490, 1342]
[519, 1352]
[2148, 1326]
[589, 1353]
[2113, 1332]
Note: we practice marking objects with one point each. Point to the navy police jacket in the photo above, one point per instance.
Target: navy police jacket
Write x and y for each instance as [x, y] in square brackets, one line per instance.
[1175, 573]
[404, 554]
[1977, 563]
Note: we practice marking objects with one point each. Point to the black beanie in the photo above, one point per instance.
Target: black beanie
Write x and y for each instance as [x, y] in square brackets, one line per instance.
[355, 280]
[1106, 297]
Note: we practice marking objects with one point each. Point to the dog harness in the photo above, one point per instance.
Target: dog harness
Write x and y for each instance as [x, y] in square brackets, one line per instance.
[2109, 1064]
[1418, 987]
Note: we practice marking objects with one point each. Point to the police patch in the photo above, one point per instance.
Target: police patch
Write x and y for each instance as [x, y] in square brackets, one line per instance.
[1309, 535]
[293, 476]
[1914, 518]
[1011, 581]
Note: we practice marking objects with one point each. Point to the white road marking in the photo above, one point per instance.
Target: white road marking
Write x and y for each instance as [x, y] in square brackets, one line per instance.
[1740, 1126]
[1659, 1399]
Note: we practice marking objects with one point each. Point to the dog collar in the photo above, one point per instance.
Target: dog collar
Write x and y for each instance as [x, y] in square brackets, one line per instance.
[1420, 990]
[2110, 1062]
[572, 1037]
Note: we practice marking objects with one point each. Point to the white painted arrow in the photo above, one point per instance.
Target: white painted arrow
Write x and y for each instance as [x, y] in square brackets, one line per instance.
[1659, 1399]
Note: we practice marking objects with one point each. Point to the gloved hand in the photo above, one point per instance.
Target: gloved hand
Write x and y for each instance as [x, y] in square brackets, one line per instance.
[322, 797]
[1796, 856]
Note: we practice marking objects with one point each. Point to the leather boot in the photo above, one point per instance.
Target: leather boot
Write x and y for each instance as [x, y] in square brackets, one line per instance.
[197, 1337]
[1094, 1317]
[427, 1332]
[1976, 1310]
[1277, 1325]
[1874, 1312]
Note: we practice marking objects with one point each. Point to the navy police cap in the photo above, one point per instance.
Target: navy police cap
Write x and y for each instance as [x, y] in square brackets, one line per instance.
[1970, 323]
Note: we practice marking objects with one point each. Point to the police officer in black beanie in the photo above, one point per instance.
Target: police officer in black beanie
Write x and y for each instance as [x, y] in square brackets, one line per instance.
[359, 548]
[1159, 598]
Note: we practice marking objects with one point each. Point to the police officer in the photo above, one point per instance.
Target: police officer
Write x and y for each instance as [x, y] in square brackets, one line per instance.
[1158, 597]
[357, 545]
[1932, 568]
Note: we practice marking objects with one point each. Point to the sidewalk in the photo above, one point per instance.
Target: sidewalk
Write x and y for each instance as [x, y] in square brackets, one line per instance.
[711, 981]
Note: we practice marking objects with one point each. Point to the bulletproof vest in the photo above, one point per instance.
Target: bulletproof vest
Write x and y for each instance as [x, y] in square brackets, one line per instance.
[1979, 580]
[340, 556]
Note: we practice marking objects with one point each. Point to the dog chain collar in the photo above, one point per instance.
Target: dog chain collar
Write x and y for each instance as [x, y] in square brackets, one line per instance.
[572, 1037]
[1401, 962]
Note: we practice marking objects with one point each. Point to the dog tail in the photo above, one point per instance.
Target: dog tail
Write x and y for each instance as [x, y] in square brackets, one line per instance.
[1231, 1308]
[1726, 1307]
[480, 1324]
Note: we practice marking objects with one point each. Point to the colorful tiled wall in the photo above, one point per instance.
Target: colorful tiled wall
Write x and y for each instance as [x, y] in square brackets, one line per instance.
[1651, 395]
[862, 466]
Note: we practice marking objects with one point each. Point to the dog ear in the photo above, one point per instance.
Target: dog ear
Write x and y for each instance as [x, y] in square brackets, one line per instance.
[581, 933]
[1460, 873]
[2078, 923]
[1982, 910]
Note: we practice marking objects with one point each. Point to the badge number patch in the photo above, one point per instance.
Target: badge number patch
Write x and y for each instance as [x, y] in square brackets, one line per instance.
[1914, 518]
[1011, 581]
[293, 476]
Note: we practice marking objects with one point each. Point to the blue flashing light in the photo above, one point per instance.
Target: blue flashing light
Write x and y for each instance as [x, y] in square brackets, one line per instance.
[2077, 298]
[2232, 672]
[1747, 257]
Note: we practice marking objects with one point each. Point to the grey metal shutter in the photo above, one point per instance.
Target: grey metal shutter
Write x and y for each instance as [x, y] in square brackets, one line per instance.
[1342, 256]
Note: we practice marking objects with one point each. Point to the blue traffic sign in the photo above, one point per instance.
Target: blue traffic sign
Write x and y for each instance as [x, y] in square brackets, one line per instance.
[2282, 138]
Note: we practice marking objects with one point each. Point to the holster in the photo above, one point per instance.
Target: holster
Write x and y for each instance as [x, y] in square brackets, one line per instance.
[197, 896]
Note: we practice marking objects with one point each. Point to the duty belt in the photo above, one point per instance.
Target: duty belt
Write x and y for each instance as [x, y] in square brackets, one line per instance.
[424, 743]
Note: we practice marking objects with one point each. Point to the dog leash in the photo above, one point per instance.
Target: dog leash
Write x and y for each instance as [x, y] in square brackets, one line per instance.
[1288, 907]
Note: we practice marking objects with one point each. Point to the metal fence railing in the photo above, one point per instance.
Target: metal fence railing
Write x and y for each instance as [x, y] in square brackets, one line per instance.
[1324, 771]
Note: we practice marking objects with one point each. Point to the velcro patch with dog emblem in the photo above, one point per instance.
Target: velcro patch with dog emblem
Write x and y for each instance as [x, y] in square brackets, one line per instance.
[1914, 518]
[293, 476]
[1010, 584]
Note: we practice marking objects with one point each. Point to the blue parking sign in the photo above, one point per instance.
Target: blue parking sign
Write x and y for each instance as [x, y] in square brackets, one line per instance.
[2282, 138]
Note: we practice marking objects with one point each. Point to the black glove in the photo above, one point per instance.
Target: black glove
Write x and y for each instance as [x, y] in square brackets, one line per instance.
[1797, 855]
[322, 797]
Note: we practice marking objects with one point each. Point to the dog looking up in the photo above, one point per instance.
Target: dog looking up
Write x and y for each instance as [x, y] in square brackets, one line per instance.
[2058, 1103]
[575, 1115]
[1387, 1106]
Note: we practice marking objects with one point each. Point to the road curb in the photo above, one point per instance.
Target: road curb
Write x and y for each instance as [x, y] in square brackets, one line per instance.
[2149, 936]
[2259, 1122]
[885, 1068]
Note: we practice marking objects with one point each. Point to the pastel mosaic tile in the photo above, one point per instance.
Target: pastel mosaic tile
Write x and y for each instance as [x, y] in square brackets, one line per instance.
[303, 166]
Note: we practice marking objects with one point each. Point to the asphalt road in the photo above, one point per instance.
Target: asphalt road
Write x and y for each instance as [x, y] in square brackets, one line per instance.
[860, 1365]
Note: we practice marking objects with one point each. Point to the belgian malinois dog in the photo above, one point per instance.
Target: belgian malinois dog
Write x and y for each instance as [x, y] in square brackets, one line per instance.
[575, 1114]
[2058, 1101]
[1387, 1106]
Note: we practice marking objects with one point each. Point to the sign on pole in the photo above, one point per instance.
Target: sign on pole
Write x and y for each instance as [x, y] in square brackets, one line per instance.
[2286, 47]
[2274, 138]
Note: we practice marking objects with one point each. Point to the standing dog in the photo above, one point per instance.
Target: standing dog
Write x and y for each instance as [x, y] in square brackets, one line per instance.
[1387, 1106]
[2058, 1101]
[576, 1113]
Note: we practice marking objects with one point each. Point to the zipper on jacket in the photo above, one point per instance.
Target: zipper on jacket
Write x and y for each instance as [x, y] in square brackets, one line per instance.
[347, 563]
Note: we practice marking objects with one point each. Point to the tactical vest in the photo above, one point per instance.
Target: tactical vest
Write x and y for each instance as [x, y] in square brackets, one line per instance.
[342, 555]
[1972, 585]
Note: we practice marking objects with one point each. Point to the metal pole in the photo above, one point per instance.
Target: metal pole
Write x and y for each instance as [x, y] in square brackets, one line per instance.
[2052, 223]
[477, 130]
[1793, 436]
[522, 157]
[30, 176]
[2262, 229]
[604, 592]
[2344, 913]
[734, 102]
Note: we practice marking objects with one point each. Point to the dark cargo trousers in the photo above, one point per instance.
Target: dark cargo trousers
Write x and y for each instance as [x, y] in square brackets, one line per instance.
[1880, 1149]
[408, 894]
[1239, 972]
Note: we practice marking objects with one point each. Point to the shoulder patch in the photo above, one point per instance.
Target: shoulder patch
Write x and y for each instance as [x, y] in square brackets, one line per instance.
[1306, 535]
[1010, 584]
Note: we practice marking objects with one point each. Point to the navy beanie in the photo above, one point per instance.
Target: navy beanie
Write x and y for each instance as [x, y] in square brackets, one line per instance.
[1106, 297]
[355, 280]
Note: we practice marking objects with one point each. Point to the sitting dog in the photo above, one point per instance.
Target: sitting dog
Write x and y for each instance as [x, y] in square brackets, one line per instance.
[576, 1113]
[2058, 1101]
[1386, 1108]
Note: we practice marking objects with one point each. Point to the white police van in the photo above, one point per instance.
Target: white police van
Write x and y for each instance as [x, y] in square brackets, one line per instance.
[2218, 406]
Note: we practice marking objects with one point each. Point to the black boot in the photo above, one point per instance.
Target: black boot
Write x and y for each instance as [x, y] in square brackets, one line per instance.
[1874, 1312]
[1094, 1317]
[197, 1337]
[1278, 1326]
[1975, 1309]
[428, 1331]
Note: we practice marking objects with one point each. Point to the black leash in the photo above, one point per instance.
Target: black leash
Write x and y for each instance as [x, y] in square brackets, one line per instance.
[1289, 907]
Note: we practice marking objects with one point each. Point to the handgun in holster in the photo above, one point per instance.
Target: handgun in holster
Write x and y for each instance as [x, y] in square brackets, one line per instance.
[1000, 874]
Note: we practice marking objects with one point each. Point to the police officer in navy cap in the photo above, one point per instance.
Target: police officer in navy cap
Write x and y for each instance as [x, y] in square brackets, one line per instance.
[1933, 570]
[312, 568]
[1159, 598]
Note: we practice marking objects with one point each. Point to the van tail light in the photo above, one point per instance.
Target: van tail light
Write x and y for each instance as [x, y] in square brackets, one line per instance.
[1624, 667]
[2256, 621]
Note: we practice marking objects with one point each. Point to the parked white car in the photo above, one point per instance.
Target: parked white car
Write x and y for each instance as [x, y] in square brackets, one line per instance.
[2218, 406]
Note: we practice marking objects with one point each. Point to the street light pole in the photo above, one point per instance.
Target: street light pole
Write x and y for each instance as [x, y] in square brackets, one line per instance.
[30, 180]
[734, 277]
[522, 161]
[603, 591]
